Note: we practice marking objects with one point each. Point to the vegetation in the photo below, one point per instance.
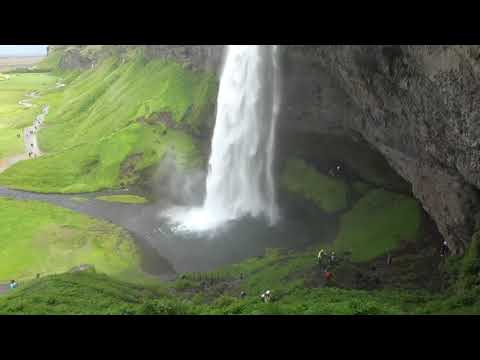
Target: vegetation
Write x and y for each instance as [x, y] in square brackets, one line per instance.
[103, 128]
[126, 199]
[379, 222]
[36, 237]
[13, 116]
[289, 275]
[330, 194]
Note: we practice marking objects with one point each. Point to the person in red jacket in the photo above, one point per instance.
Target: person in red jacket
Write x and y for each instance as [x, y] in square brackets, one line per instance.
[327, 275]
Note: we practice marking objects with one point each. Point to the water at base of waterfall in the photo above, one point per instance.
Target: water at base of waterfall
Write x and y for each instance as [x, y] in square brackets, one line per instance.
[240, 181]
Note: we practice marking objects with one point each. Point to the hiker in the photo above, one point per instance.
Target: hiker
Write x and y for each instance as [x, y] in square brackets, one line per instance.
[332, 258]
[444, 250]
[266, 296]
[320, 255]
[13, 284]
[338, 169]
[243, 294]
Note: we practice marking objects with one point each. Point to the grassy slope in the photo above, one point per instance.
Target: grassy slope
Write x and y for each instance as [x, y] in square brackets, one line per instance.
[13, 116]
[126, 199]
[36, 237]
[328, 193]
[281, 272]
[92, 128]
[378, 223]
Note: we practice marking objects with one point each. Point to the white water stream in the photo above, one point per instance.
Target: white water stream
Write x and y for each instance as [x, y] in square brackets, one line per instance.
[240, 180]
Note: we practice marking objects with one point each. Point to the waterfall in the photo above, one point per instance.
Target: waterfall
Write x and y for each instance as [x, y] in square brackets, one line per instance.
[240, 180]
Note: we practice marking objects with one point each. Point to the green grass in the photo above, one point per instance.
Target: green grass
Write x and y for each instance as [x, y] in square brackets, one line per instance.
[282, 272]
[99, 123]
[13, 117]
[328, 193]
[126, 199]
[36, 237]
[77, 293]
[98, 166]
[379, 222]
[285, 273]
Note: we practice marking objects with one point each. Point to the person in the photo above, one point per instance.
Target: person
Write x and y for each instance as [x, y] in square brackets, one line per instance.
[320, 255]
[13, 284]
[243, 294]
[338, 169]
[332, 258]
[38, 276]
[266, 296]
[444, 250]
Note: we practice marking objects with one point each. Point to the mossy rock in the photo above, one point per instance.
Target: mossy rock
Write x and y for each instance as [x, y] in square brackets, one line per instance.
[329, 194]
[378, 223]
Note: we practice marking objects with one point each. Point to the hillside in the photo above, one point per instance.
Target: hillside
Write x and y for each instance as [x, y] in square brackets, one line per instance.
[109, 123]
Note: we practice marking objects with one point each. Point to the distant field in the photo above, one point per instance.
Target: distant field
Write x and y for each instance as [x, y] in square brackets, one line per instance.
[9, 63]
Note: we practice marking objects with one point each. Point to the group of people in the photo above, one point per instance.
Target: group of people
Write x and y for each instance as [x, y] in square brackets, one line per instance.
[266, 296]
[326, 259]
[337, 170]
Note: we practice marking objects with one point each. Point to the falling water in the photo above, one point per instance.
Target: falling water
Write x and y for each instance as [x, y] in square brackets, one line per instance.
[240, 180]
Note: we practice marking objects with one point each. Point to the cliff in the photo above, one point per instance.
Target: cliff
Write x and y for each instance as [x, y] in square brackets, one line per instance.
[416, 105]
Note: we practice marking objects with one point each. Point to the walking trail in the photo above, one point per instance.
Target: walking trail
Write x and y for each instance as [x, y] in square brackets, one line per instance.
[30, 142]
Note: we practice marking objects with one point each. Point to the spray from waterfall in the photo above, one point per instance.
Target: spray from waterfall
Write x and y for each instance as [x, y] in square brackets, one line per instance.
[240, 178]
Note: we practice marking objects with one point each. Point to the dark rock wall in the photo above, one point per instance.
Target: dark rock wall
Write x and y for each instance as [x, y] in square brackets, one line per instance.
[419, 106]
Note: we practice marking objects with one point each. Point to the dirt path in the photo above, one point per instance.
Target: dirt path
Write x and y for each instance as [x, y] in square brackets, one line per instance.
[30, 142]
[6, 163]
[30, 135]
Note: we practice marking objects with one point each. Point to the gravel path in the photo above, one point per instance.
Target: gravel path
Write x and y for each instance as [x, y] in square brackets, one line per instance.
[30, 141]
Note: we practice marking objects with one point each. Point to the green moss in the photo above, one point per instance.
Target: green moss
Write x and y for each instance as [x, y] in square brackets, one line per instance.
[126, 199]
[361, 188]
[328, 193]
[378, 223]
[36, 237]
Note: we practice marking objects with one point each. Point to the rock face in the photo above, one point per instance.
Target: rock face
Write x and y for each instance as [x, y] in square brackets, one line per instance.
[195, 57]
[417, 105]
